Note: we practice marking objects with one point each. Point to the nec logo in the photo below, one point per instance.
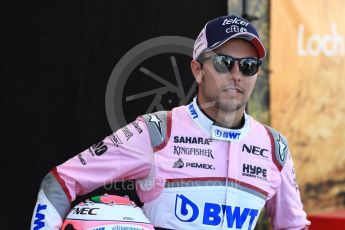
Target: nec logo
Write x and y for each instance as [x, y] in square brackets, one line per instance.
[85, 211]
[236, 217]
[39, 217]
[255, 150]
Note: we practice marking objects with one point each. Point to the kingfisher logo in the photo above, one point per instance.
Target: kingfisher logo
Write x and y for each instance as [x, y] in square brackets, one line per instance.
[39, 217]
[236, 217]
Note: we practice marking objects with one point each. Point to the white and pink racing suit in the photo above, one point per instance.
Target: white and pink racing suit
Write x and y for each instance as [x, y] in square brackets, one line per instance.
[190, 173]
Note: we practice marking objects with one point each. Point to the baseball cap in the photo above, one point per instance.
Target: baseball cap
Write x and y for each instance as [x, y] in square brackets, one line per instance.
[220, 30]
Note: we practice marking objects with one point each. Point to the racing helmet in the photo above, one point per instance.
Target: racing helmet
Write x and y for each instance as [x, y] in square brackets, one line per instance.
[106, 212]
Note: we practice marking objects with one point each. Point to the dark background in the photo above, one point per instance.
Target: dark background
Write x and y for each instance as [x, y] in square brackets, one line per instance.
[56, 59]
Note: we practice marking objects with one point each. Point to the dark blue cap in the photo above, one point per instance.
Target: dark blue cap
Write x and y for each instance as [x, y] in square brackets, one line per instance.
[220, 30]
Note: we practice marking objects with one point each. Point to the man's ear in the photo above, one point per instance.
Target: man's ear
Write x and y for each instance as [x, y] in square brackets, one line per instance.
[197, 71]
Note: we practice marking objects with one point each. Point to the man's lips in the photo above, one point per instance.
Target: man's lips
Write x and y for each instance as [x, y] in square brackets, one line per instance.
[233, 89]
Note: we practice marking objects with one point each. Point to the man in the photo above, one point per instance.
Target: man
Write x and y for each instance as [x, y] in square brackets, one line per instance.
[207, 165]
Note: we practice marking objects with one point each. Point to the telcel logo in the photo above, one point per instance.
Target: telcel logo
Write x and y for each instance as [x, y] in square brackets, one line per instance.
[227, 135]
[187, 211]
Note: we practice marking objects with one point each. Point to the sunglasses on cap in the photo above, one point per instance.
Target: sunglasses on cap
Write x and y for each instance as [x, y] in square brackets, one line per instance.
[224, 63]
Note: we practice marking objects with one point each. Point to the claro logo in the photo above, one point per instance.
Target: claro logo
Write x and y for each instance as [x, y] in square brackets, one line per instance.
[331, 44]
[236, 217]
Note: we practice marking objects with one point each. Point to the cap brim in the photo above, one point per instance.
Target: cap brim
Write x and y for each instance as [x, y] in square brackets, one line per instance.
[260, 48]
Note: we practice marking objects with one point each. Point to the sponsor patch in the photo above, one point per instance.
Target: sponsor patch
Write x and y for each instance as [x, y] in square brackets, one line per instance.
[115, 139]
[213, 214]
[224, 134]
[255, 150]
[137, 127]
[180, 164]
[192, 140]
[39, 216]
[98, 149]
[155, 119]
[127, 132]
[82, 161]
[178, 150]
[254, 171]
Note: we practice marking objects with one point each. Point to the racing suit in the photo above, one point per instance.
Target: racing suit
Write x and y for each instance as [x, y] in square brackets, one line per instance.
[190, 173]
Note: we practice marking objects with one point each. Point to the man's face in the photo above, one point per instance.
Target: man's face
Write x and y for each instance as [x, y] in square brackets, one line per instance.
[229, 91]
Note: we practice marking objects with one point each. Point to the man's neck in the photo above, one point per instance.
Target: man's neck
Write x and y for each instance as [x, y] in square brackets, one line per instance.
[230, 119]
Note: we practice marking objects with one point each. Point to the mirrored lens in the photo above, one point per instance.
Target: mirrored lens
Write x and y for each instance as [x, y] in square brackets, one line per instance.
[249, 66]
[222, 64]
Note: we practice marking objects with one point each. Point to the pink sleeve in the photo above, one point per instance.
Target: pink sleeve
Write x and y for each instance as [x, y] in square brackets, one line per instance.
[285, 207]
[125, 154]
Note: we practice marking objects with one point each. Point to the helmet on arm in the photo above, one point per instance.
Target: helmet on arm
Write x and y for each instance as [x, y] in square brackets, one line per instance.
[106, 212]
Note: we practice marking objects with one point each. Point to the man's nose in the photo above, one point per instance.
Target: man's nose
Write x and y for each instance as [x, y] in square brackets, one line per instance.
[235, 72]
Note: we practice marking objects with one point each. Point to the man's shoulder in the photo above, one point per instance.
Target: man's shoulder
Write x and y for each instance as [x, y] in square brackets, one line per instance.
[279, 144]
[159, 126]
[269, 128]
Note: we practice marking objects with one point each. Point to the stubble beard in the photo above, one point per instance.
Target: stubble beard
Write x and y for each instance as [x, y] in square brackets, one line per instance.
[229, 105]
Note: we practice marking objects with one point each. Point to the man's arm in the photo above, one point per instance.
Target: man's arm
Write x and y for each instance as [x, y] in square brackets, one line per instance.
[286, 208]
[125, 154]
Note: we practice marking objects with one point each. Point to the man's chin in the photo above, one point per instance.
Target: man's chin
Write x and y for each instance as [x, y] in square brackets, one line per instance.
[230, 105]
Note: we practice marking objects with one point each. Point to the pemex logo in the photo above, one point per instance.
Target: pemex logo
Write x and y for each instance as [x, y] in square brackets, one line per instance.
[185, 209]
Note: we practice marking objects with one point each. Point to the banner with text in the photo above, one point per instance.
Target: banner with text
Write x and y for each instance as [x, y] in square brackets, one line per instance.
[307, 88]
